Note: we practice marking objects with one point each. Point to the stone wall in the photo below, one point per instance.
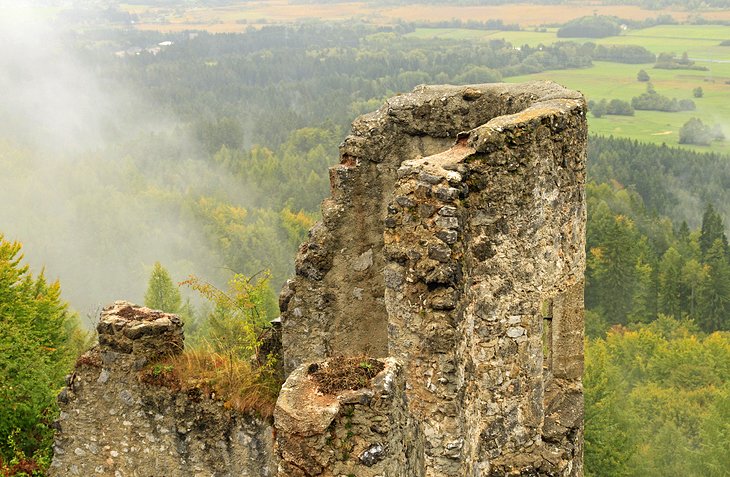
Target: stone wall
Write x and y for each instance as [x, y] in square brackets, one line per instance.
[454, 242]
[113, 424]
[483, 240]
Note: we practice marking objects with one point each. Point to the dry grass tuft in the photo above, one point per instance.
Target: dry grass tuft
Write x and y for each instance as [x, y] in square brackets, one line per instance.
[341, 373]
[229, 378]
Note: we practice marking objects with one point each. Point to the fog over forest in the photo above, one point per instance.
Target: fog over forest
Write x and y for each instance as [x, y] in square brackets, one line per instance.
[63, 136]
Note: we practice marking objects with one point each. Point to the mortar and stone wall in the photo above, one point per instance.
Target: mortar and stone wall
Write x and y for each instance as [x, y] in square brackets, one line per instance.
[366, 432]
[451, 249]
[454, 242]
[113, 424]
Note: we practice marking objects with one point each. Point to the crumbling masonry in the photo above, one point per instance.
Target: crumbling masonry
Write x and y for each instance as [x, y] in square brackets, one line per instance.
[454, 243]
[451, 249]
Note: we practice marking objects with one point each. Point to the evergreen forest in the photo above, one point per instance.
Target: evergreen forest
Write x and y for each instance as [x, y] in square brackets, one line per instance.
[133, 161]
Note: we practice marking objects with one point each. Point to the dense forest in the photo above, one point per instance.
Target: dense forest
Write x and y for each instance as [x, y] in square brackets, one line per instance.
[214, 161]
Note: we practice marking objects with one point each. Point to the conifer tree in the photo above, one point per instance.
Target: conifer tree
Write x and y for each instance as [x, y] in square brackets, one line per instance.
[642, 309]
[670, 283]
[37, 347]
[612, 271]
[714, 302]
[162, 294]
[712, 229]
[693, 276]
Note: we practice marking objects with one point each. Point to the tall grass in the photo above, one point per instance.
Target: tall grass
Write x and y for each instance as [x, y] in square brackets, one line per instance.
[242, 384]
[226, 362]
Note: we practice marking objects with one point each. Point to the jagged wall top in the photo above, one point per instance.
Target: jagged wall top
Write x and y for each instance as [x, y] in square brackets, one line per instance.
[334, 305]
[146, 333]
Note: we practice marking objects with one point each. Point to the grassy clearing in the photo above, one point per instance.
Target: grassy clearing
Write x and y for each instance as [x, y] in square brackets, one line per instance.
[697, 32]
[616, 80]
[529, 15]
[661, 39]
[517, 38]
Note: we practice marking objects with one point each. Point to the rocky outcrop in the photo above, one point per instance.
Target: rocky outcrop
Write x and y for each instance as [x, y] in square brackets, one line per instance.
[114, 424]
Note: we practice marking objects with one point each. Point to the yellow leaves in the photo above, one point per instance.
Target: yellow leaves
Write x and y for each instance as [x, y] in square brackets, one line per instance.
[10, 258]
[624, 220]
[296, 225]
[597, 253]
[301, 218]
[204, 288]
[222, 213]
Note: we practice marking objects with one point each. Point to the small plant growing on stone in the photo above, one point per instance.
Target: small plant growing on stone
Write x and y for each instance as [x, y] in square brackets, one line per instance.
[159, 369]
[344, 373]
[239, 314]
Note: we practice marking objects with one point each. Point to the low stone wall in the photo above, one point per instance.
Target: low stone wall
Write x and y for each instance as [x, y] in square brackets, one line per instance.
[113, 424]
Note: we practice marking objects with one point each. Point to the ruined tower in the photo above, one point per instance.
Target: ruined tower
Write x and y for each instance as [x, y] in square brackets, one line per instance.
[453, 242]
[451, 252]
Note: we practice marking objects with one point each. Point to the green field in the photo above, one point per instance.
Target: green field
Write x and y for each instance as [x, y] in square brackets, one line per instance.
[614, 80]
[696, 40]
[617, 80]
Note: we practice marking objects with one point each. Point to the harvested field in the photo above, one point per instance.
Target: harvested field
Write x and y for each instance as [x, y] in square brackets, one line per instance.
[236, 17]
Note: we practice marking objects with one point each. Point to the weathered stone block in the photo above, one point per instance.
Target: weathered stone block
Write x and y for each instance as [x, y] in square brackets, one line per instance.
[364, 432]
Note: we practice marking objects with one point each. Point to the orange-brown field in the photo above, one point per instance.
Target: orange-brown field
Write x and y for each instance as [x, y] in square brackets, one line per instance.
[237, 17]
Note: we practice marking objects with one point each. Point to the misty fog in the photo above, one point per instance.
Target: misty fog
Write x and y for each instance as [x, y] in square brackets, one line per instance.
[69, 190]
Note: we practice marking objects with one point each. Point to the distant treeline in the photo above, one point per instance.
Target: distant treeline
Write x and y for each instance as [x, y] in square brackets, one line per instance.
[468, 24]
[623, 54]
[276, 74]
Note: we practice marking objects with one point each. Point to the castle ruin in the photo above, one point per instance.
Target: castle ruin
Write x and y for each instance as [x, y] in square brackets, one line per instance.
[451, 249]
